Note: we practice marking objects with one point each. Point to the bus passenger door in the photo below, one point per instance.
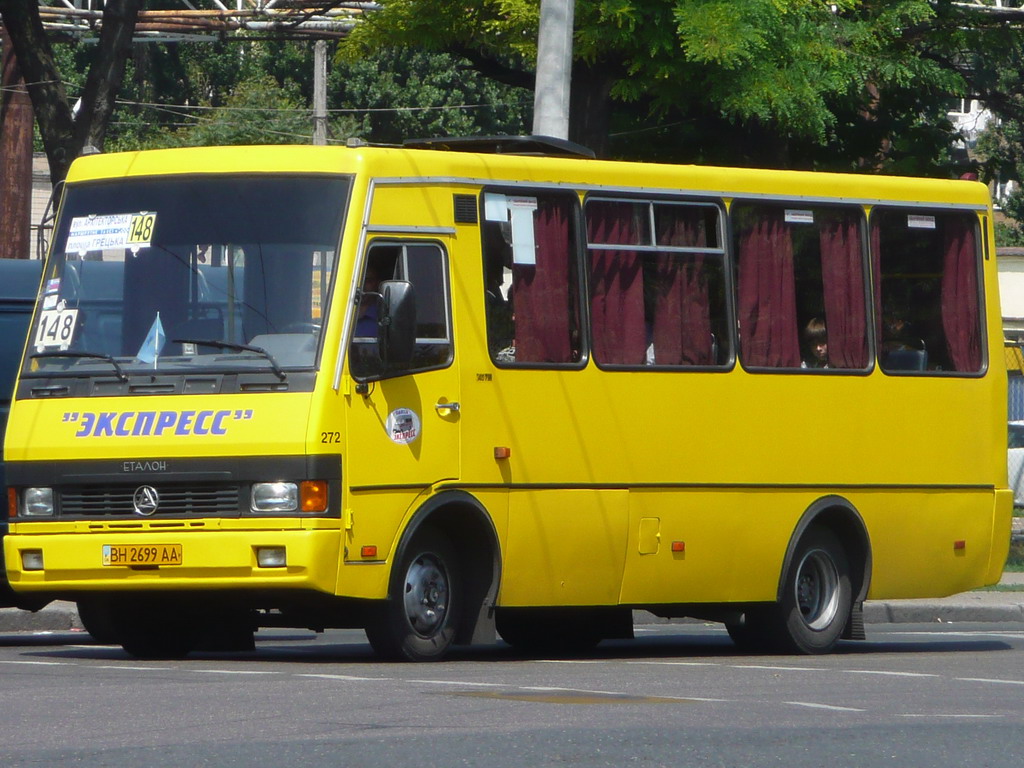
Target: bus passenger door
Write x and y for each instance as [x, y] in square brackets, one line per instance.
[403, 424]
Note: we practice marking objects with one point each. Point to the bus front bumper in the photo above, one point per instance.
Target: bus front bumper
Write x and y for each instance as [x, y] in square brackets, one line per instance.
[62, 564]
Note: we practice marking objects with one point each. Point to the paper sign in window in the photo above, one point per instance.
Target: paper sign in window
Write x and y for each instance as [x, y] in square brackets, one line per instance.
[119, 230]
[524, 248]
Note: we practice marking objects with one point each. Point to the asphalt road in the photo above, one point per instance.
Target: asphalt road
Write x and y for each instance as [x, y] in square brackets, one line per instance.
[912, 695]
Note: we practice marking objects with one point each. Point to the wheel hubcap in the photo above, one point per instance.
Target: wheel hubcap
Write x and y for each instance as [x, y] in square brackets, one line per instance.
[426, 595]
[817, 589]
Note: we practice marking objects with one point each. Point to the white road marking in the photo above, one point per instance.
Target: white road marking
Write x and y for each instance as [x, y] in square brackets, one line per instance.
[775, 668]
[459, 684]
[137, 669]
[679, 663]
[988, 680]
[956, 715]
[42, 663]
[887, 673]
[234, 672]
[345, 677]
[812, 705]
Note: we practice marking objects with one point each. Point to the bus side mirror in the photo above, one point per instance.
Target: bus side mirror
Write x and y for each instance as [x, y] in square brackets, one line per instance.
[397, 327]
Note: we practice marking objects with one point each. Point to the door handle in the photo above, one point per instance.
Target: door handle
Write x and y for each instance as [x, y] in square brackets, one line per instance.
[442, 407]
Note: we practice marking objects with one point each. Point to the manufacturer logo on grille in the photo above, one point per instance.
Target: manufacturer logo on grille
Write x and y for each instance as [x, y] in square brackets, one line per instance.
[146, 500]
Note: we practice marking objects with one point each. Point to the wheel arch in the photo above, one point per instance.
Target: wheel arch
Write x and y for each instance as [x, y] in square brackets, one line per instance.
[465, 522]
[840, 516]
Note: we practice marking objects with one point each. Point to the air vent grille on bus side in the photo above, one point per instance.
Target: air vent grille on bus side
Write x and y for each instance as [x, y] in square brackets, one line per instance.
[465, 209]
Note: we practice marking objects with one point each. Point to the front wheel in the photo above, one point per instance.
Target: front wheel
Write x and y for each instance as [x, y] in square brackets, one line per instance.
[816, 596]
[418, 621]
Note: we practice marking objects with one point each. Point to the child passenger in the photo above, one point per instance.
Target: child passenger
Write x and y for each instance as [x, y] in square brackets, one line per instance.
[815, 344]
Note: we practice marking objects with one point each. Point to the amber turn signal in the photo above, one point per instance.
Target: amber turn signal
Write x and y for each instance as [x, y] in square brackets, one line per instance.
[313, 495]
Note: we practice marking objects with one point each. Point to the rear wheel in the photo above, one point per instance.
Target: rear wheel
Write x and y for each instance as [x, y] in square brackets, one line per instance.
[816, 596]
[419, 619]
[748, 633]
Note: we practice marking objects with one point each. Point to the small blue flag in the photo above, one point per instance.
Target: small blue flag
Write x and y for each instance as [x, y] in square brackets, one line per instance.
[154, 343]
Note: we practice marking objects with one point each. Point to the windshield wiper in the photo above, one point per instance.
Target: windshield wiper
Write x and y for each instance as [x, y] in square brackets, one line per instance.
[278, 371]
[70, 353]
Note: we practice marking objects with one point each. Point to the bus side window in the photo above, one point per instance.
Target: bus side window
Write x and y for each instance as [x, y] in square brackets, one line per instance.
[801, 299]
[662, 301]
[927, 289]
[531, 278]
[424, 265]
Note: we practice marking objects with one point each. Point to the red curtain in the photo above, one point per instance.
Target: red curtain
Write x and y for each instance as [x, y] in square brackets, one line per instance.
[616, 285]
[842, 275]
[682, 332]
[544, 310]
[767, 294]
[876, 274]
[961, 319]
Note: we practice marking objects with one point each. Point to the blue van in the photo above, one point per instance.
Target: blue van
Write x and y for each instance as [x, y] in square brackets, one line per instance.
[19, 283]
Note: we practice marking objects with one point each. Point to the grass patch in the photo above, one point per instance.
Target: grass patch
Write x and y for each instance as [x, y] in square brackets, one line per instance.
[1001, 588]
[1015, 560]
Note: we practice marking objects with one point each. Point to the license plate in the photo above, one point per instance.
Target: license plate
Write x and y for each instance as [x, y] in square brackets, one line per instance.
[142, 554]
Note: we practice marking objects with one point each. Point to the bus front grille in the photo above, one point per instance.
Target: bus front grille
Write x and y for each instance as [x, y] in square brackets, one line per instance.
[119, 500]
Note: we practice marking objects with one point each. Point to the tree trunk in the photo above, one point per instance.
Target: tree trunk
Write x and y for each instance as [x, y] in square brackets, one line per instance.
[64, 134]
[590, 105]
[16, 154]
[106, 73]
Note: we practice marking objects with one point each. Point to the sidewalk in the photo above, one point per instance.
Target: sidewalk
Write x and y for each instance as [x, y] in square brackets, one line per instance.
[979, 605]
[976, 606]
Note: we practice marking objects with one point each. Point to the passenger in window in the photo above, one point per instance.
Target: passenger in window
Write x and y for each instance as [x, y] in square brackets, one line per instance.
[815, 344]
[366, 323]
[903, 348]
[897, 332]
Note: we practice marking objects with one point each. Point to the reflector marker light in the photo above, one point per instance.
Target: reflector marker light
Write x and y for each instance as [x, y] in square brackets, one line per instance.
[958, 545]
[502, 452]
[370, 550]
[678, 546]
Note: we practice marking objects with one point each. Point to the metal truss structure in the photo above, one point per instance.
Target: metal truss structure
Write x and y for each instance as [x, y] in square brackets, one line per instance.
[205, 19]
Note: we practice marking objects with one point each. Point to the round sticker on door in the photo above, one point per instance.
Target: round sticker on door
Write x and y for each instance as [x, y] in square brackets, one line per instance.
[403, 426]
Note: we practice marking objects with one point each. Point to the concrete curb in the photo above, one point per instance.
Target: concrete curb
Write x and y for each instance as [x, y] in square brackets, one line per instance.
[55, 617]
[925, 612]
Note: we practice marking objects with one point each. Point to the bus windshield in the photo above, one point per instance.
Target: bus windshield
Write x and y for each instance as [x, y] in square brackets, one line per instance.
[215, 272]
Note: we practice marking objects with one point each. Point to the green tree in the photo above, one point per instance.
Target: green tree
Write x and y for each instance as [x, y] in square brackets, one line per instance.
[769, 81]
[404, 93]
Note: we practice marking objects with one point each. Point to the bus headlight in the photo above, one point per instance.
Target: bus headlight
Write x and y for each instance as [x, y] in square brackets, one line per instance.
[37, 502]
[275, 497]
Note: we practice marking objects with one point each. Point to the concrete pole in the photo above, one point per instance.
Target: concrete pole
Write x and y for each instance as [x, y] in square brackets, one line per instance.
[554, 69]
[16, 122]
[320, 92]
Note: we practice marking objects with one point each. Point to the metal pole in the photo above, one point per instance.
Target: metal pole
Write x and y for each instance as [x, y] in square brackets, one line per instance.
[320, 92]
[554, 69]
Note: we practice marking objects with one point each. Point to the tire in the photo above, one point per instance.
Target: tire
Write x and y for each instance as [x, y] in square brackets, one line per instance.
[418, 620]
[550, 631]
[748, 634]
[98, 620]
[152, 631]
[816, 597]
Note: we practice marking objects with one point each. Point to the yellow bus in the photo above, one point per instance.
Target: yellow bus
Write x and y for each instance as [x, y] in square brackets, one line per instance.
[474, 388]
